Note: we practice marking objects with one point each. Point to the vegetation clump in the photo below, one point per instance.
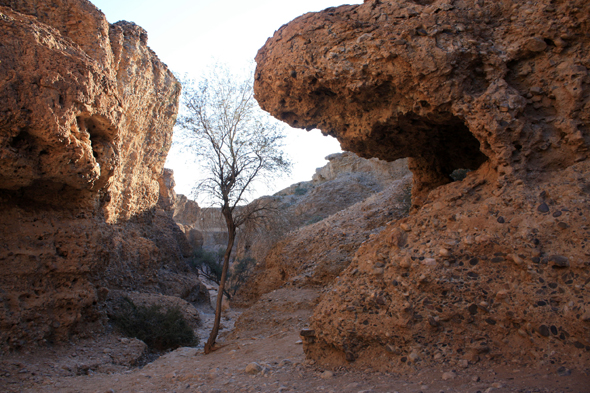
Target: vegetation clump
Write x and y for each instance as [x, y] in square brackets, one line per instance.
[159, 329]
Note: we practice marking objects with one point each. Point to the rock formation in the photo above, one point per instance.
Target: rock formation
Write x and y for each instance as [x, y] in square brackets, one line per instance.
[85, 125]
[317, 226]
[491, 267]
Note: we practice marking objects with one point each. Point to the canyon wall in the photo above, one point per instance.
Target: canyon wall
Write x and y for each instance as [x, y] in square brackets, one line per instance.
[314, 227]
[493, 267]
[85, 126]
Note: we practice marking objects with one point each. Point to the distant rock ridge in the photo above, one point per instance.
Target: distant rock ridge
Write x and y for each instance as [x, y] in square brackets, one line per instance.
[345, 180]
[86, 120]
[492, 268]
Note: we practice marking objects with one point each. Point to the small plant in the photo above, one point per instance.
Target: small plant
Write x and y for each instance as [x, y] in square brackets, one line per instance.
[208, 263]
[313, 220]
[159, 329]
[240, 273]
[459, 174]
[300, 191]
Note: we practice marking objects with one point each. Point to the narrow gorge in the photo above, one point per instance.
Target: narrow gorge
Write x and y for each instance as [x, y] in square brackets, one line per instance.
[445, 249]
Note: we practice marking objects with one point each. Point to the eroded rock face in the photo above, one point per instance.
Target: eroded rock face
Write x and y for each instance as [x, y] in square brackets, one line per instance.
[317, 226]
[492, 267]
[448, 84]
[86, 120]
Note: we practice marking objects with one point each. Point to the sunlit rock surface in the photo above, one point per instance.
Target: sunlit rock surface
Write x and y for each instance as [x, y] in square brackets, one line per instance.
[86, 120]
[491, 268]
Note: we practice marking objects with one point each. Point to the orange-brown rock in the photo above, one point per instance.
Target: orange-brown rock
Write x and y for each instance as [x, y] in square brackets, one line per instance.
[86, 120]
[491, 267]
[448, 84]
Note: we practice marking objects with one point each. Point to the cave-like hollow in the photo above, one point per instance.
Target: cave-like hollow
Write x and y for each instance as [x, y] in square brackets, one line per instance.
[437, 145]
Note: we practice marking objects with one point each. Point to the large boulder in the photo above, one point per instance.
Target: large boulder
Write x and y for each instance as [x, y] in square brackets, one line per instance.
[85, 126]
[491, 267]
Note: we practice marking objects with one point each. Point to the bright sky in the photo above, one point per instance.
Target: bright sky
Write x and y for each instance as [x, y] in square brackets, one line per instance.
[188, 34]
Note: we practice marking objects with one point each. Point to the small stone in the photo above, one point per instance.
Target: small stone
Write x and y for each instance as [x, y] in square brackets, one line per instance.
[429, 262]
[557, 213]
[285, 362]
[535, 44]
[253, 368]
[544, 331]
[326, 375]
[475, 378]
[405, 262]
[421, 32]
[443, 252]
[414, 356]
[543, 208]
[448, 376]
[564, 372]
[501, 220]
[559, 261]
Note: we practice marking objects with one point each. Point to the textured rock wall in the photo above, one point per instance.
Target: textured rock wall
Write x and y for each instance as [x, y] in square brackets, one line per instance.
[85, 125]
[494, 266]
[342, 164]
[317, 226]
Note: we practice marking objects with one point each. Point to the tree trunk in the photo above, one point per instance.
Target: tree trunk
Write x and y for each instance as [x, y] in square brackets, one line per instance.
[231, 232]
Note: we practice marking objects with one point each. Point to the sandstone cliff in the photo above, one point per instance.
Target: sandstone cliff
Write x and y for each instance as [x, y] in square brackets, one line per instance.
[491, 267]
[85, 126]
[315, 227]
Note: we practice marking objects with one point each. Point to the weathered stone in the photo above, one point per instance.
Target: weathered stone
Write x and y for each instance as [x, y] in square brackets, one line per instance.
[512, 109]
[85, 126]
[253, 368]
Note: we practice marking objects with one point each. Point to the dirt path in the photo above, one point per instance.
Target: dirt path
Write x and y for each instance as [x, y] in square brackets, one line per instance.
[266, 334]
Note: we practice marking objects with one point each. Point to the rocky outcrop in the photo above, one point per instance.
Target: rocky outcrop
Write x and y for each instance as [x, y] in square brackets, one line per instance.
[346, 163]
[85, 126]
[491, 267]
[448, 84]
[315, 227]
[315, 254]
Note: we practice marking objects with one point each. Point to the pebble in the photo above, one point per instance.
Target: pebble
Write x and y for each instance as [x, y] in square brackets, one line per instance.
[535, 44]
[448, 375]
[543, 208]
[326, 374]
[560, 261]
[564, 372]
[405, 262]
[253, 368]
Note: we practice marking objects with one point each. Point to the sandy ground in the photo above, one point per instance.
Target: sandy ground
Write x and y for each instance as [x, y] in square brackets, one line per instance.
[266, 334]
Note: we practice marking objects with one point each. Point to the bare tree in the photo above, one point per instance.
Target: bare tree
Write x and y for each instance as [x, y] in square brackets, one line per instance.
[237, 144]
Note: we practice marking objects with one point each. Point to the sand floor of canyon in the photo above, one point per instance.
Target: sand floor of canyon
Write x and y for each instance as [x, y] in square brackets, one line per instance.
[267, 334]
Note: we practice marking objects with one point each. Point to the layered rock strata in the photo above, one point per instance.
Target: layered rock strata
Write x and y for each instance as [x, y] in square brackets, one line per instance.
[85, 125]
[491, 267]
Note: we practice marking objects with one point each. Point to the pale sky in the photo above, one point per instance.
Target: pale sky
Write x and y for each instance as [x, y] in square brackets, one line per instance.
[187, 35]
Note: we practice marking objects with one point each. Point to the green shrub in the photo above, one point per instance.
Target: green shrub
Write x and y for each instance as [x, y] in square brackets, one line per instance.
[160, 330]
[459, 174]
[313, 220]
[300, 191]
[209, 263]
[241, 270]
